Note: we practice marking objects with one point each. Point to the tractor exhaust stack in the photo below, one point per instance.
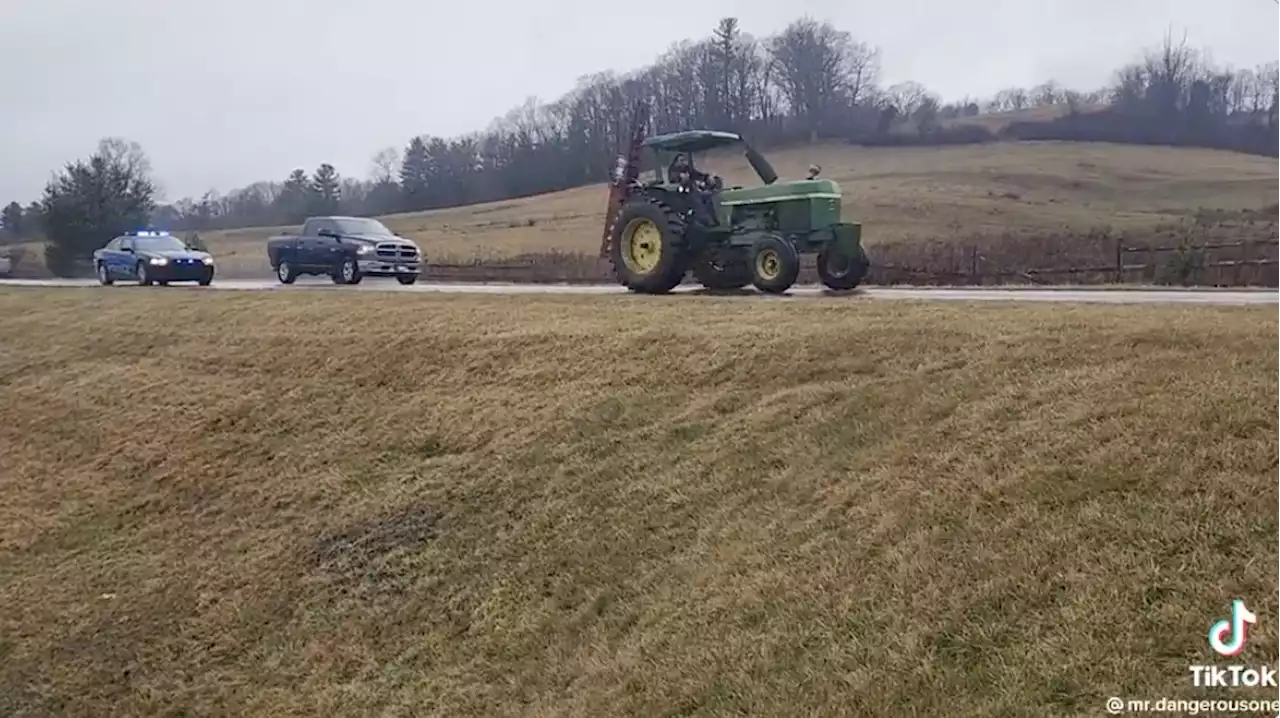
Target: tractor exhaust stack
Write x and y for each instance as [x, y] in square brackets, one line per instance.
[761, 166]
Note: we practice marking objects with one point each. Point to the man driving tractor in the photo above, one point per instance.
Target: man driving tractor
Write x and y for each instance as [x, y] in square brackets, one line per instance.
[700, 184]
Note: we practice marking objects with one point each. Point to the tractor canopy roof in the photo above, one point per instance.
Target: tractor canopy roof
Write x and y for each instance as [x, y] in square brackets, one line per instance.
[690, 141]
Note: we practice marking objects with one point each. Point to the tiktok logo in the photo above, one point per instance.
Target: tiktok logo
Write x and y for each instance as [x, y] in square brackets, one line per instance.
[1227, 636]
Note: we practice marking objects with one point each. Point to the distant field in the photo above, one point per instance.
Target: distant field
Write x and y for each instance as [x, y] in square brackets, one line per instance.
[908, 193]
[290, 504]
[1020, 203]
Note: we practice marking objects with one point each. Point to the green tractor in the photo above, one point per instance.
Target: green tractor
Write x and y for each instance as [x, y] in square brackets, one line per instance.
[682, 219]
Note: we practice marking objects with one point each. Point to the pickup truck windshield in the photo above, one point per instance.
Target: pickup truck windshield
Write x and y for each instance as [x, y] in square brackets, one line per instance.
[158, 244]
[361, 225]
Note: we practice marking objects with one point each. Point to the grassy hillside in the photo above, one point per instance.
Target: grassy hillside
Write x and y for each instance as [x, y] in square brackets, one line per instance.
[900, 193]
[300, 504]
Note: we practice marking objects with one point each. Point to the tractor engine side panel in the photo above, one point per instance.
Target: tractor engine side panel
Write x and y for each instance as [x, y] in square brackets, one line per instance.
[801, 216]
[824, 212]
[762, 217]
[794, 216]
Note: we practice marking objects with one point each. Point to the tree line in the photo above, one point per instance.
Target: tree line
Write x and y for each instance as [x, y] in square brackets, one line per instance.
[809, 82]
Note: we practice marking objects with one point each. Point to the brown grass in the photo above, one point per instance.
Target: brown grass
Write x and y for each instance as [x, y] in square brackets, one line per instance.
[996, 122]
[913, 193]
[305, 503]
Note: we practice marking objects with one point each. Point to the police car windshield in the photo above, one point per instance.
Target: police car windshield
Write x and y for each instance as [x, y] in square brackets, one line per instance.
[362, 225]
[158, 244]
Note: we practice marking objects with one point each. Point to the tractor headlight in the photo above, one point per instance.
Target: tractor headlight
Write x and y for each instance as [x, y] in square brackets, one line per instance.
[159, 261]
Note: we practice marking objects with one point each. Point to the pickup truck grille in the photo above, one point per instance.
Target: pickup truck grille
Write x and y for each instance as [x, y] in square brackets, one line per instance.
[391, 250]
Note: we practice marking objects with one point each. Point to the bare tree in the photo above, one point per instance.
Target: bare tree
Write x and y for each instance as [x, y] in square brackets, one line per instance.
[906, 96]
[1047, 94]
[386, 165]
[821, 70]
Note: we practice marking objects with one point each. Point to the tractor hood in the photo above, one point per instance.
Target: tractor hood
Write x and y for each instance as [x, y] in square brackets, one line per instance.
[781, 192]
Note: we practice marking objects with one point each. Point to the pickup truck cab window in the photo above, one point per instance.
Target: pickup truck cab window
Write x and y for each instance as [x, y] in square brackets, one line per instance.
[313, 227]
[362, 225]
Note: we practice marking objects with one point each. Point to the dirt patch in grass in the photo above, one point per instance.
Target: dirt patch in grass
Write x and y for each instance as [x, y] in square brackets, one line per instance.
[317, 504]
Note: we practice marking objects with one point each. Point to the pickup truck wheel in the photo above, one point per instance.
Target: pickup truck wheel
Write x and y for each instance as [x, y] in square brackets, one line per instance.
[348, 272]
[286, 273]
[407, 279]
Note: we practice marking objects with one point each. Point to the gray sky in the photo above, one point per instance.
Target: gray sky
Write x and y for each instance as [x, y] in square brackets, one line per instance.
[222, 93]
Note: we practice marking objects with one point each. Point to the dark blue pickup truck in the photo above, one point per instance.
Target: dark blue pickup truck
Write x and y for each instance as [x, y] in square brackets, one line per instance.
[345, 248]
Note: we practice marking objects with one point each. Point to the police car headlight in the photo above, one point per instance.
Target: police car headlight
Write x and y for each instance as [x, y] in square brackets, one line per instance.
[208, 261]
[159, 261]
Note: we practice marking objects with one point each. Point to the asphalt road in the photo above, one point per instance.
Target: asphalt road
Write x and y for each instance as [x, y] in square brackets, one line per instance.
[960, 294]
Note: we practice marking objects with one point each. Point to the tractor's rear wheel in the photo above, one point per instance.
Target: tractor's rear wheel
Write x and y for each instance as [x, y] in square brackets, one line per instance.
[775, 264]
[718, 274]
[647, 247]
[839, 269]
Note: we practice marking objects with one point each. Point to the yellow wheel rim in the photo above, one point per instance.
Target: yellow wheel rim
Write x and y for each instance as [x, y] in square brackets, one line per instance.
[641, 245]
[768, 264]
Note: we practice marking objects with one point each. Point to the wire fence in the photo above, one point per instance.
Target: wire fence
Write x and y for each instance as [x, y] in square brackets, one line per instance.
[1216, 248]
[1250, 262]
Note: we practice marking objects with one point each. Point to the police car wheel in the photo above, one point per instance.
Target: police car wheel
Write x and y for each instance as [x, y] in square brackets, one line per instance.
[104, 276]
[144, 279]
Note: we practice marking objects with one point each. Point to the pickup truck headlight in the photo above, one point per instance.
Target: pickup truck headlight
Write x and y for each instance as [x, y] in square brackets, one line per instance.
[159, 261]
[365, 249]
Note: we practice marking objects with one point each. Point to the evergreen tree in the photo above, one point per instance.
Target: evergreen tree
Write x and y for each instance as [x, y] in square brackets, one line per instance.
[326, 195]
[92, 201]
[11, 220]
[294, 198]
[415, 175]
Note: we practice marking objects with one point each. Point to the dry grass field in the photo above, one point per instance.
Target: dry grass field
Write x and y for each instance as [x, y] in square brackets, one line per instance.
[296, 504]
[911, 193]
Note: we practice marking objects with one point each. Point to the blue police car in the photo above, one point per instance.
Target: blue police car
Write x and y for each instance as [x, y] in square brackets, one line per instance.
[152, 258]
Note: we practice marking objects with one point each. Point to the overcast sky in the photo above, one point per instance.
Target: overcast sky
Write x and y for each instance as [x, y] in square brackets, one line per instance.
[222, 93]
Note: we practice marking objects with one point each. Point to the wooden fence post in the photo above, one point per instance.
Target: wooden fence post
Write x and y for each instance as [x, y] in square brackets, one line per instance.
[1119, 258]
[1246, 256]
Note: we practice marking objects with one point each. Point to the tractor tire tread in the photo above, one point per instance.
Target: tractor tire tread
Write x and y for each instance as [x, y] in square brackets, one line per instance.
[673, 227]
[846, 282]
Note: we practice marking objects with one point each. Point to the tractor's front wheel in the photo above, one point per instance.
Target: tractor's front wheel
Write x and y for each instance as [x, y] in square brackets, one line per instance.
[775, 264]
[718, 274]
[840, 270]
[647, 247]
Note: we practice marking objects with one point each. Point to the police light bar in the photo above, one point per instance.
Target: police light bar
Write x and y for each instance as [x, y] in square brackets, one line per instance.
[149, 233]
